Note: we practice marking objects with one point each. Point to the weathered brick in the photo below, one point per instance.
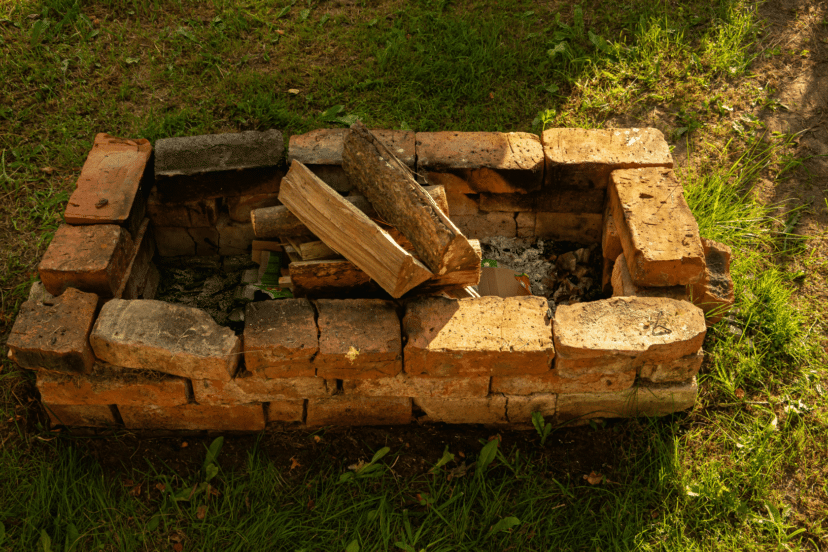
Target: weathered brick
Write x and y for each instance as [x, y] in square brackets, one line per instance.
[581, 157]
[109, 188]
[285, 411]
[682, 369]
[196, 213]
[477, 337]
[81, 415]
[623, 285]
[486, 410]
[519, 408]
[138, 271]
[324, 146]
[462, 204]
[207, 241]
[54, 334]
[606, 277]
[526, 223]
[247, 388]
[486, 225]
[610, 240]
[355, 411]
[153, 335]
[151, 283]
[280, 338]
[406, 385]
[358, 338]
[658, 233]
[89, 258]
[173, 241]
[493, 162]
[243, 417]
[239, 207]
[553, 382]
[613, 331]
[579, 228]
[638, 401]
[108, 384]
[565, 199]
[235, 238]
[218, 152]
[38, 293]
[714, 293]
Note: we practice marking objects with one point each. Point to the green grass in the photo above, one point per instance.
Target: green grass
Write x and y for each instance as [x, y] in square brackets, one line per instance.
[745, 470]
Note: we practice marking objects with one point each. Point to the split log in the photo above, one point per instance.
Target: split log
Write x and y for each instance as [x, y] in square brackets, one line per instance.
[348, 230]
[462, 278]
[401, 202]
[312, 250]
[338, 278]
[278, 221]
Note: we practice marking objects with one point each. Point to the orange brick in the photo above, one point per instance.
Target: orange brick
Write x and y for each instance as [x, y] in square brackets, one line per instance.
[153, 335]
[462, 204]
[196, 213]
[477, 337]
[553, 382]
[246, 417]
[714, 293]
[492, 162]
[623, 285]
[138, 271]
[239, 207]
[81, 415]
[610, 241]
[658, 233]
[682, 369]
[112, 385]
[54, 334]
[89, 258]
[637, 401]
[108, 190]
[355, 411]
[405, 385]
[248, 389]
[564, 199]
[324, 146]
[579, 228]
[519, 408]
[486, 225]
[235, 238]
[285, 411]
[358, 338]
[280, 338]
[526, 223]
[486, 410]
[581, 157]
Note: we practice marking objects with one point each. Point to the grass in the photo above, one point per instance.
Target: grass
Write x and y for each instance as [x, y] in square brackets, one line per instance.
[744, 470]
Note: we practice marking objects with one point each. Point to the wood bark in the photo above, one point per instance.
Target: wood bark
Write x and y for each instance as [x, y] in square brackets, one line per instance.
[279, 222]
[401, 202]
[346, 229]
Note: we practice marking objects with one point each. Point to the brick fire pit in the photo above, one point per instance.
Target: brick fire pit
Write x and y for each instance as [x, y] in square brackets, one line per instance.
[108, 355]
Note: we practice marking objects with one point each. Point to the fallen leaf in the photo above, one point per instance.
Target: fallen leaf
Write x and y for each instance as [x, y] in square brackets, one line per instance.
[293, 91]
[358, 466]
[594, 478]
[740, 393]
[202, 511]
[461, 454]
[136, 490]
[317, 439]
[185, 444]
[491, 95]
[48, 170]
[178, 547]
[280, 32]
[129, 482]
[311, 504]
[294, 463]
[161, 487]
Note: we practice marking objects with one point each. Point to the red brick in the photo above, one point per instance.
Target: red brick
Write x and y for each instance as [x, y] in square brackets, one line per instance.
[239, 207]
[245, 417]
[356, 411]
[138, 271]
[477, 337]
[623, 285]
[169, 338]
[462, 204]
[54, 335]
[610, 240]
[324, 146]
[526, 223]
[679, 370]
[553, 382]
[358, 338]
[486, 225]
[107, 191]
[579, 228]
[640, 328]
[280, 338]
[566, 199]
[658, 233]
[285, 411]
[89, 258]
[81, 415]
[486, 410]
[519, 408]
[638, 401]
[493, 162]
[714, 293]
[405, 385]
[581, 157]
[246, 389]
[112, 385]
[196, 213]
[235, 238]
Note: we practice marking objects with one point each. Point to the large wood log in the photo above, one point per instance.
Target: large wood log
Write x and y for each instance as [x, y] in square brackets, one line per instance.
[401, 202]
[346, 229]
[279, 222]
[339, 278]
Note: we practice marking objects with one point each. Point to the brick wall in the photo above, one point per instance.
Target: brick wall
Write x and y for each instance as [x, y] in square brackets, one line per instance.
[107, 354]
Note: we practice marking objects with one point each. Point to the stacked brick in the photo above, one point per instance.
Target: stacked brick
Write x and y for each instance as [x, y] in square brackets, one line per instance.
[107, 354]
